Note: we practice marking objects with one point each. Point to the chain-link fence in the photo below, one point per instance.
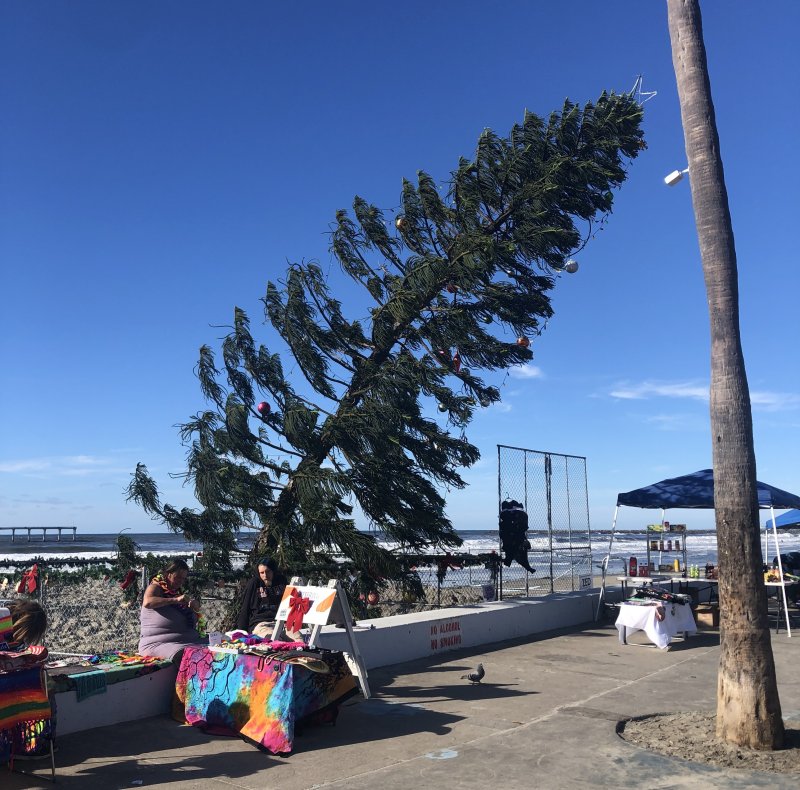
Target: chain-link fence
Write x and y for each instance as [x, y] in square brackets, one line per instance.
[552, 489]
[89, 612]
[88, 615]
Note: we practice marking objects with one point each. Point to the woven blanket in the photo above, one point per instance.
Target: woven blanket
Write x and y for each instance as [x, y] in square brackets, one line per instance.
[23, 697]
[89, 683]
[260, 698]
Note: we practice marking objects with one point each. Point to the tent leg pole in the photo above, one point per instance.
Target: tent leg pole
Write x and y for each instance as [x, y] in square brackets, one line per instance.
[604, 567]
[780, 571]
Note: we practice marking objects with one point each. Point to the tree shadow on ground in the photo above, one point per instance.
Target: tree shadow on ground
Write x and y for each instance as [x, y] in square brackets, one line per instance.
[161, 751]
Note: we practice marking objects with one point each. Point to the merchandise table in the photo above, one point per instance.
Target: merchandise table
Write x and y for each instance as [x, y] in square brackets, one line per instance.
[677, 619]
[260, 698]
[702, 584]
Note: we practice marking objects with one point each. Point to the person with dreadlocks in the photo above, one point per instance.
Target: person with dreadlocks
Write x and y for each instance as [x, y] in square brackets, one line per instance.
[168, 617]
[261, 599]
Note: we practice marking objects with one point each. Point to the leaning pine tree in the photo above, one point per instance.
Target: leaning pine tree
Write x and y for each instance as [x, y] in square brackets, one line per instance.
[457, 285]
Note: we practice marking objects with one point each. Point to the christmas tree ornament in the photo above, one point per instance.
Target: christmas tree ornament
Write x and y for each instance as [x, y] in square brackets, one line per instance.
[523, 341]
[442, 407]
[400, 222]
[264, 408]
[451, 289]
[372, 598]
[571, 266]
[456, 362]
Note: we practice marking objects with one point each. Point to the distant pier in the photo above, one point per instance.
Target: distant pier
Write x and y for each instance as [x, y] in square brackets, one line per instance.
[29, 531]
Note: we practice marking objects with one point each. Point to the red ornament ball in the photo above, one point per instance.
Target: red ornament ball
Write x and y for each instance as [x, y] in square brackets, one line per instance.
[523, 341]
[372, 598]
[264, 408]
[451, 289]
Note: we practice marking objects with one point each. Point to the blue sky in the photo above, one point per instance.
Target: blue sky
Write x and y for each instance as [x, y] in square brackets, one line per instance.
[162, 161]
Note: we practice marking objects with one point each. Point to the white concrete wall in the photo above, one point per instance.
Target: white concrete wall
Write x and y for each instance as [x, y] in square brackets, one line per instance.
[384, 641]
[392, 640]
[137, 698]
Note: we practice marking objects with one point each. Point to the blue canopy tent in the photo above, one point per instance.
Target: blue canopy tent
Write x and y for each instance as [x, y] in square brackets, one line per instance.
[788, 520]
[696, 490]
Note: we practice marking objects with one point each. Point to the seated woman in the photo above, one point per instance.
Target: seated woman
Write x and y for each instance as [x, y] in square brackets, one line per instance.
[262, 596]
[168, 617]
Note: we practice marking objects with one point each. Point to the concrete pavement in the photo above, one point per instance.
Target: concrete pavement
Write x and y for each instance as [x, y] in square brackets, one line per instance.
[544, 717]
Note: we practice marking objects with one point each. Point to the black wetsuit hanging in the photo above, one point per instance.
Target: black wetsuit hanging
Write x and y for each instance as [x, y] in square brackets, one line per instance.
[513, 526]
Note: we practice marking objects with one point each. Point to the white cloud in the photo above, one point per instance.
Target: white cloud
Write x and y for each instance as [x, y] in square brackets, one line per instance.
[502, 407]
[525, 372]
[775, 401]
[677, 422]
[82, 461]
[691, 390]
[30, 465]
[66, 466]
[647, 389]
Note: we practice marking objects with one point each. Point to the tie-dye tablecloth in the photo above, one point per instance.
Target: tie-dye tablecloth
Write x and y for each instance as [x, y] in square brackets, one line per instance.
[258, 698]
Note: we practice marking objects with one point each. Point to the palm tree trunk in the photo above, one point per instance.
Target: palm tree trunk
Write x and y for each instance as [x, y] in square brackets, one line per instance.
[748, 707]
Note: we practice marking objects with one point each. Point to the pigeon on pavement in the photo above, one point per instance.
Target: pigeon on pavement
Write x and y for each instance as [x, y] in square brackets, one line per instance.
[476, 676]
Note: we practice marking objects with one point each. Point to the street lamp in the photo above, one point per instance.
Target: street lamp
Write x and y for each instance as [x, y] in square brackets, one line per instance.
[674, 177]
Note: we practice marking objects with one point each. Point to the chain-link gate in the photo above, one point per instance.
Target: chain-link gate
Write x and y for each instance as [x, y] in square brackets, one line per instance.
[552, 489]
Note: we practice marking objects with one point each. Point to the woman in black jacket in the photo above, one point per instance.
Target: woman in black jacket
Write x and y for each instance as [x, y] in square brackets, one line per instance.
[262, 596]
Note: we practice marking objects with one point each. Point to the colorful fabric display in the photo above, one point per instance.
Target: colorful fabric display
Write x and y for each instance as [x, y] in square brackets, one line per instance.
[23, 697]
[30, 739]
[260, 698]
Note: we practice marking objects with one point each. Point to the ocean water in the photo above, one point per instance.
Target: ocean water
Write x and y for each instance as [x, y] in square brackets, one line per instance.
[701, 545]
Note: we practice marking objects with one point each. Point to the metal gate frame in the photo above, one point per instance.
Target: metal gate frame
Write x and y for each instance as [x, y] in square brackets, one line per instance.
[552, 487]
